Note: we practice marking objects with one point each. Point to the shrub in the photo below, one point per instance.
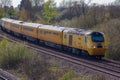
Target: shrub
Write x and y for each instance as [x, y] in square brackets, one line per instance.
[98, 77]
[70, 75]
[11, 55]
[22, 79]
[37, 68]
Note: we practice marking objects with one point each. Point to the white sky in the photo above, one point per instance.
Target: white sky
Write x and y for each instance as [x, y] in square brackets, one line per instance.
[16, 2]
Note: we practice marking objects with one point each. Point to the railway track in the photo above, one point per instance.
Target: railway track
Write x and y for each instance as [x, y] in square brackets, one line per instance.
[95, 65]
[1, 78]
[112, 63]
[109, 67]
[7, 76]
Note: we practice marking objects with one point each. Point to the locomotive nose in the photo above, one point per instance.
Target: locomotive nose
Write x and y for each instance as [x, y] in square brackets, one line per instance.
[97, 51]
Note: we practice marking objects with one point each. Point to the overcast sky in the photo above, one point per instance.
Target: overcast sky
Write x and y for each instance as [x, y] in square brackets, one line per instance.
[16, 2]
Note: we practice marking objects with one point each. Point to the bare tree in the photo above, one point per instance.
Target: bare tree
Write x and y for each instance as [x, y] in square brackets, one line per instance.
[26, 4]
[84, 5]
[38, 7]
[31, 6]
[37, 2]
[76, 8]
[117, 2]
[26, 7]
[6, 3]
[70, 3]
[63, 4]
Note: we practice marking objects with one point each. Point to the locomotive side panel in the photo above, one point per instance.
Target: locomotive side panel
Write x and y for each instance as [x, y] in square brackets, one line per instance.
[50, 36]
[65, 39]
[29, 31]
[16, 28]
[81, 42]
[74, 41]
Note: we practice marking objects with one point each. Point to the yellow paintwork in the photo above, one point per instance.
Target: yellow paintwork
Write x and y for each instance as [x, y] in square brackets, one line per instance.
[92, 47]
[49, 36]
[96, 51]
[7, 25]
[29, 33]
[16, 29]
[77, 41]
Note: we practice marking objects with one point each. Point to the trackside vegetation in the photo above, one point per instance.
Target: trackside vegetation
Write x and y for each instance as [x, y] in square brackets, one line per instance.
[11, 55]
[70, 75]
[33, 66]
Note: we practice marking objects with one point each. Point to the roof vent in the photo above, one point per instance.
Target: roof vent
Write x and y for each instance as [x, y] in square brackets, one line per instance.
[21, 22]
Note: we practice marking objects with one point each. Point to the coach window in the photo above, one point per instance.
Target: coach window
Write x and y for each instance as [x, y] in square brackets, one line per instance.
[16, 26]
[49, 32]
[46, 32]
[55, 33]
[42, 32]
[28, 29]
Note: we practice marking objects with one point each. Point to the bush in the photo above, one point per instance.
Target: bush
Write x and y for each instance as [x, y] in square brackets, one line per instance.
[11, 55]
[37, 68]
[112, 30]
[70, 75]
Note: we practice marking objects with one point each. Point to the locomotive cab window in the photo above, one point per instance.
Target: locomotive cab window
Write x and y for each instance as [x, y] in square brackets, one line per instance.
[97, 37]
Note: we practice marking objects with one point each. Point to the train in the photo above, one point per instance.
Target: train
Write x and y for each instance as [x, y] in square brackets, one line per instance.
[75, 40]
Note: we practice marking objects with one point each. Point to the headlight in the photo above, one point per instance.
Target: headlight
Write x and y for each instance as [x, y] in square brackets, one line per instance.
[93, 46]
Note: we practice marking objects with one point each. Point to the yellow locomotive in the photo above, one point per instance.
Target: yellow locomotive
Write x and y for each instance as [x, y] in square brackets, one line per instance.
[75, 40]
[91, 42]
